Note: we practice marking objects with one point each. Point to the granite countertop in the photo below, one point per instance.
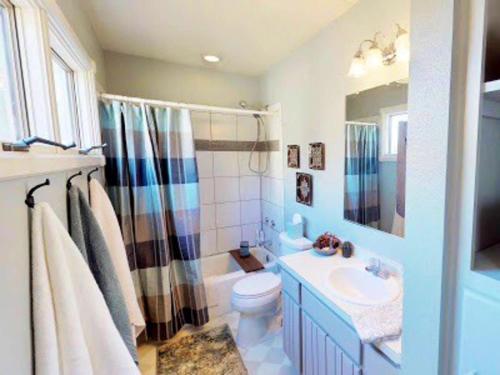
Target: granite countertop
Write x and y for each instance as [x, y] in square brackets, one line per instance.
[311, 269]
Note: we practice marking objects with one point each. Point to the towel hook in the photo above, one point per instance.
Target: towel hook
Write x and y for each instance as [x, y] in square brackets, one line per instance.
[68, 183]
[30, 200]
[89, 175]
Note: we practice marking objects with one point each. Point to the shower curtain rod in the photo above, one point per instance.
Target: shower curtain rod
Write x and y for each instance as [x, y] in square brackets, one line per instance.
[361, 123]
[194, 107]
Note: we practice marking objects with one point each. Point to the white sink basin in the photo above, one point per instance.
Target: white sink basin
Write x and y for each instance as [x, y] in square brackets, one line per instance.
[356, 285]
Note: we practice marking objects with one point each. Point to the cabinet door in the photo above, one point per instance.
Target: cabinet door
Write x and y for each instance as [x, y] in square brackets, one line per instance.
[314, 360]
[291, 330]
[337, 362]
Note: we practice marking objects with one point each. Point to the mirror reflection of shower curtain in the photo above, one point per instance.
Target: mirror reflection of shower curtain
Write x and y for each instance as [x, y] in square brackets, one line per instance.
[398, 225]
[361, 198]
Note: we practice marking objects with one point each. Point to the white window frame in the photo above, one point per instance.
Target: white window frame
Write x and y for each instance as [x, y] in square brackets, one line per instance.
[63, 41]
[385, 115]
[18, 76]
[41, 26]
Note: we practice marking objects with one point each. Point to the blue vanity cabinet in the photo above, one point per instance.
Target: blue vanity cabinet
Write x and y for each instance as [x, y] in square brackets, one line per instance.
[319, 342]
[292, 334]
[320, 354]
[291, 330]
[313, 348]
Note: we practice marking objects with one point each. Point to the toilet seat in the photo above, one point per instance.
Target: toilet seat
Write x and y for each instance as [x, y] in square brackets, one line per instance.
[257, 286]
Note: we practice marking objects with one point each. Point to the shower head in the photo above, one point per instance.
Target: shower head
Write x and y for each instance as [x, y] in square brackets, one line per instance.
[243, 104]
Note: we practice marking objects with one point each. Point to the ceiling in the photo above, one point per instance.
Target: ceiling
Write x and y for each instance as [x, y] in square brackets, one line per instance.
[249, 35]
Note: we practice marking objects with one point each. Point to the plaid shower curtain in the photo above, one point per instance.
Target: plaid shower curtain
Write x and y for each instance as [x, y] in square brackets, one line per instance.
[152, 181]
[361, 199]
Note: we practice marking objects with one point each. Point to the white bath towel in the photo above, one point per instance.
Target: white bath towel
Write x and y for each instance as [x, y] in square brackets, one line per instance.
[106, 217]
[73, 329]
[378, 323]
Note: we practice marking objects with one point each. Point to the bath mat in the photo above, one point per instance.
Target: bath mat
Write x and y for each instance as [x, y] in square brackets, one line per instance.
[209, 352]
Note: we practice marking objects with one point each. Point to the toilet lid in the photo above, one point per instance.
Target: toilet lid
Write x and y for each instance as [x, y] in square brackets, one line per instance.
[257, 285]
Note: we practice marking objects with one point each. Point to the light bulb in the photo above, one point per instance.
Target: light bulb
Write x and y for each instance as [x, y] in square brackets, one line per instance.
[357, 68]
[211, 58]
[402, 46]
[374, 58]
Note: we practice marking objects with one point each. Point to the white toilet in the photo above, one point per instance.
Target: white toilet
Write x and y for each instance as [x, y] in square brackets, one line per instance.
[291, 246]
[257, 297]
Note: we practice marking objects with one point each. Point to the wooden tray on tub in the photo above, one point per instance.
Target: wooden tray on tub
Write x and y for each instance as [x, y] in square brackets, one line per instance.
[248, 264]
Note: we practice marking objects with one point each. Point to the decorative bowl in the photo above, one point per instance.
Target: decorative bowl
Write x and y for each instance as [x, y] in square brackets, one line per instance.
[325, 250]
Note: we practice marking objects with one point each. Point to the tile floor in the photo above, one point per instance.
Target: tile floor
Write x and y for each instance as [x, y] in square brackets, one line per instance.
[265, 358]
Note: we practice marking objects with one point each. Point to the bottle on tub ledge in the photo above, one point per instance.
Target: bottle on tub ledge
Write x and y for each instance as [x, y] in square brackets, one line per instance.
[244, 249]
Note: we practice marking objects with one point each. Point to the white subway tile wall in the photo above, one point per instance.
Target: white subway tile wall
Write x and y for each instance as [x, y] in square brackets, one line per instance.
[226, 164]
[272, 184]
[207, 191]
[207, 221]
[247, 128]
[250, 212]
[201, 125]
[205, 164]
[228, 214]
[249, 188]
[227, 189]
[228, 238]
[243, 158]
[232, 207]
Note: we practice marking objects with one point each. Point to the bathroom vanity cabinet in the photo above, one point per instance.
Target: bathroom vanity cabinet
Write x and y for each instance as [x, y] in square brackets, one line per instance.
[319, 342]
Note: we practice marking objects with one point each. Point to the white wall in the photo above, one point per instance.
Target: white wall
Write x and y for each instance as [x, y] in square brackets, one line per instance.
[81, 25]
[154, 79]
[311, 86]
[15, 325]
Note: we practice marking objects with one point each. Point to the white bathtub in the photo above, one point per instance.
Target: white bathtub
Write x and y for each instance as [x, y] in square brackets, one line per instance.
[221, 271]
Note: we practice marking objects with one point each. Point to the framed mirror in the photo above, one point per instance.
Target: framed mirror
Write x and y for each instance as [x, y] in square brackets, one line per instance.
[375, 157]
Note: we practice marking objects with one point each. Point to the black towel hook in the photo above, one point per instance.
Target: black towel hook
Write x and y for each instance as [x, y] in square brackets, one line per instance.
[89, 175]
[30, 200]
[68, 183]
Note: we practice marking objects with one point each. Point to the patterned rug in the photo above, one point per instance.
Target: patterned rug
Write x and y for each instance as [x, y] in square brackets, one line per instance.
[209, 352]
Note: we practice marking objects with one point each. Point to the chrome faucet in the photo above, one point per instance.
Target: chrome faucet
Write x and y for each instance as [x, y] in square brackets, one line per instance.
[377, 268]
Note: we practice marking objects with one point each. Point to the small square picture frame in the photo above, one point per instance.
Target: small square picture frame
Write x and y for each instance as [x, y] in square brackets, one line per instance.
[304, 188]
[317, 156]
[293, 156]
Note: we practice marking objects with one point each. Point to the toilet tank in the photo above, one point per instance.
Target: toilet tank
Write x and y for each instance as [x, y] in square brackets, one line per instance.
[290, 246]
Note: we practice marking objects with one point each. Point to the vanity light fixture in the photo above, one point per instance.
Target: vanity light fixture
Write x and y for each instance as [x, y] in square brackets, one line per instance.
[358, 68]
[402, 45]
[379, 54]
[211, 58]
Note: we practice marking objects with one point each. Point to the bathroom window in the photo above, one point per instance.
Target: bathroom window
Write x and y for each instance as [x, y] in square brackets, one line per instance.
[65, 96]
[391, 118]
[12, 117]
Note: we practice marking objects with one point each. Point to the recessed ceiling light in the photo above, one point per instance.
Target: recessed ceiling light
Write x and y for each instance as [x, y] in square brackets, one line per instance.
[211, 58]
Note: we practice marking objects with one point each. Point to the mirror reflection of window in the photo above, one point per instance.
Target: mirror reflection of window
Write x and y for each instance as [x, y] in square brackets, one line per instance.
[391, 118]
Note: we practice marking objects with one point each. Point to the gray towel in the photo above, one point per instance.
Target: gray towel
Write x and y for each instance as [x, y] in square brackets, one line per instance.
[88, 237]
